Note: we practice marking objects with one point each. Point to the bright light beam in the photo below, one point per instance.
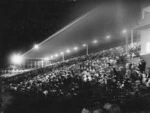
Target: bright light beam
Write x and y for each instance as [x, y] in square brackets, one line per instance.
[63, 29]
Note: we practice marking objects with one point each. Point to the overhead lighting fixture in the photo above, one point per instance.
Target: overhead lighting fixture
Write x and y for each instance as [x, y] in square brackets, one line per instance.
[36, 46]
[46, 58]
[68, 51]
[51, 57]
[108, 37]
[16, 59]
[124, 31]
[56, 55]
[95, 41]
[84, 45]
[75, 48]
[62, 53]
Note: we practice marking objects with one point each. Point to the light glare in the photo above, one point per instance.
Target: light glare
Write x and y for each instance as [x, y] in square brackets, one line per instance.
[75, 48]
[16, 59]
[68, 51]
[95, 41]
[124, 31]
[46, 58]
[61, 53]
[56, 55]
[36, 46]
[108, 37]
[148, 47]
[51, 57]
[84, 45]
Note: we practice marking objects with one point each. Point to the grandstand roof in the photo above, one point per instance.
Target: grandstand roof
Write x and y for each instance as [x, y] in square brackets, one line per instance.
[103, 20]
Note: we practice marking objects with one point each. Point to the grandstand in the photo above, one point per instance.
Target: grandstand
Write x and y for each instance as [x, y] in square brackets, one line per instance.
[105, 76]
[111, 79]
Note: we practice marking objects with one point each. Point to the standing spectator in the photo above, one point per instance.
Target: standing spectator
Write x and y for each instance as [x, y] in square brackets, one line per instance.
[142, 65]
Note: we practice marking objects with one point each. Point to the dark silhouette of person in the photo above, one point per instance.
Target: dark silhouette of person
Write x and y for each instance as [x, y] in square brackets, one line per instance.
[142, 65]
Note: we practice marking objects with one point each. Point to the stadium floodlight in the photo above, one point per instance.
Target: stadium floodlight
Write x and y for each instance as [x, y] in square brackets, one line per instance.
[75, 48]
[51, 57]
[124, 31]
[36, 46]
[68, 51]
[16, 59]
[56, 55]
[84, 45]
[62, 53]
[95, 41]
[108, 37]
[46, 58]
[63, 56]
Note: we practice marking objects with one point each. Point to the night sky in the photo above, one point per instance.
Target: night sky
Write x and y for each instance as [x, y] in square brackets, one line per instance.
[26, 22]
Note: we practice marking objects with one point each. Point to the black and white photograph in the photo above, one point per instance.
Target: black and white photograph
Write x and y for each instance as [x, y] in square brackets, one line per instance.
[74, 56]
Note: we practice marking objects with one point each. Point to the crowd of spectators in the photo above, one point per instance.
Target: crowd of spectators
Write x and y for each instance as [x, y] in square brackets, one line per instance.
[107, 72]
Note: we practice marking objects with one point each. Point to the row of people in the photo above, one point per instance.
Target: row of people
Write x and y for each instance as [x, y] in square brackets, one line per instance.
[107, 69]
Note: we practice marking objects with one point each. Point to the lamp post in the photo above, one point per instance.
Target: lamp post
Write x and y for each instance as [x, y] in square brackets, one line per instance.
[87, 48]
[46, 59]
[132, 37]
[126, 38]
[36, 48]
[42, 62]
[63, 56]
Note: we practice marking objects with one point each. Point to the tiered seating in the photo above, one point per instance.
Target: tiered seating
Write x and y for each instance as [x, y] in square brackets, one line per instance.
[103, 74]
[98, 67]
